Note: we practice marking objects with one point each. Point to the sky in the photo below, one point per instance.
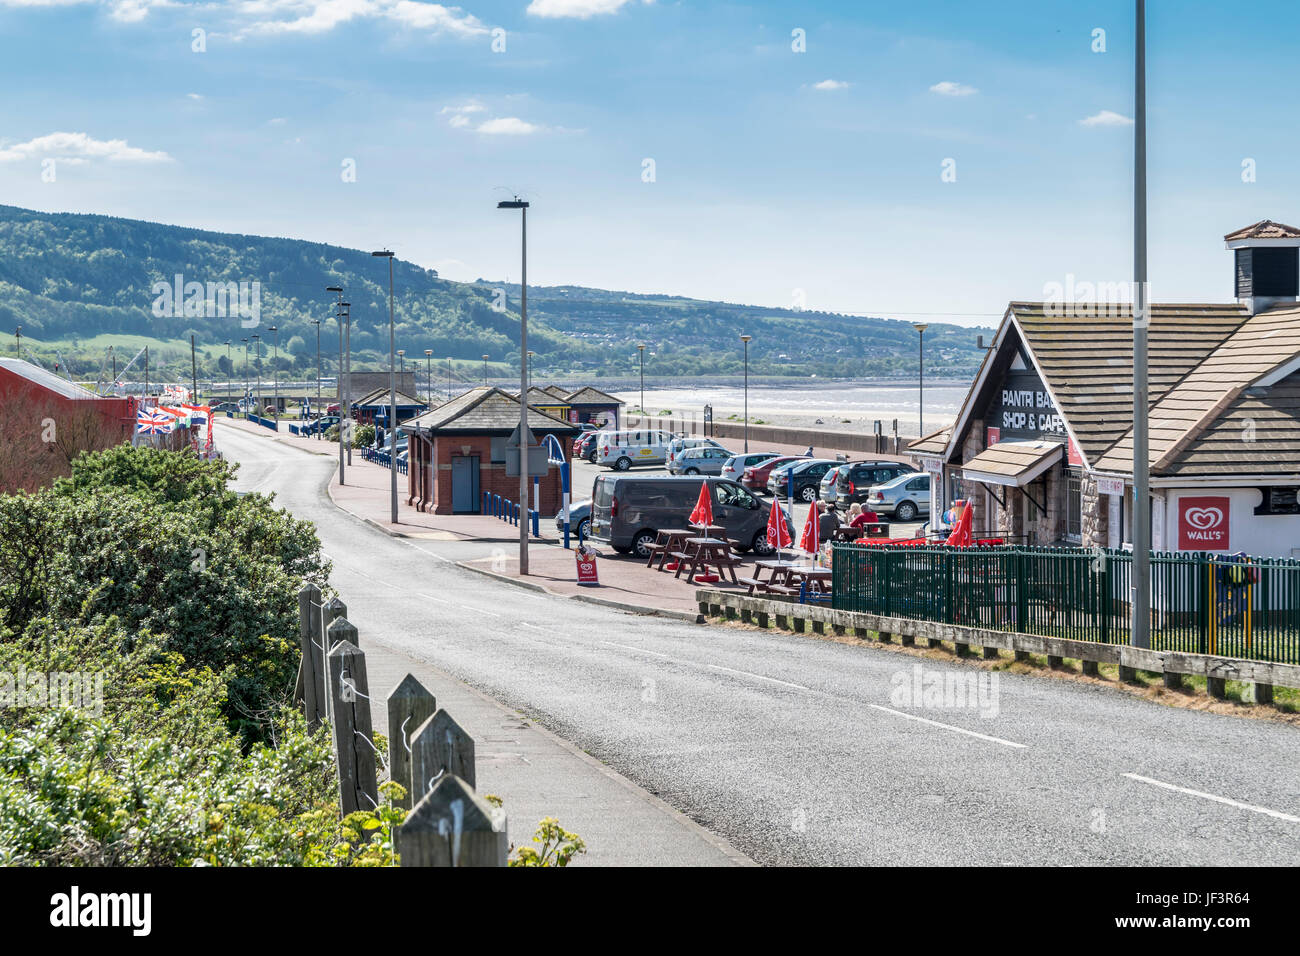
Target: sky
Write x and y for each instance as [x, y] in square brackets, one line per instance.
[929, 158]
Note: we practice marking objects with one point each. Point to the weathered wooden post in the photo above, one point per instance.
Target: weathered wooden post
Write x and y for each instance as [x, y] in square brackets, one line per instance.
[409, 706]
[349, 690]
[440, 745]
[308, 636]
[331, 611]
[453, 826]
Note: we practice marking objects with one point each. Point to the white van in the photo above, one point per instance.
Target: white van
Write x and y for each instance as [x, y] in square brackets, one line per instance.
[621, 450]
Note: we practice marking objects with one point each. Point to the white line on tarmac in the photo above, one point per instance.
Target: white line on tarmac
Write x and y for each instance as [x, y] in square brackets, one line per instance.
[716, 667]
[1209, 796]
[935, 723]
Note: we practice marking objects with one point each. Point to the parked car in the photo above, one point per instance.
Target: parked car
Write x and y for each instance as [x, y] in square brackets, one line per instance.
[579, 519]
[634, 446]
[734, 467]
[857, 478]
[903, 498]
[806, 476]
[225, 407]
[755, 477]
[319, 425]
[679, 445]
[705, 460]
[627, 511]
[584, 446]
[828, 484]
[333, 409]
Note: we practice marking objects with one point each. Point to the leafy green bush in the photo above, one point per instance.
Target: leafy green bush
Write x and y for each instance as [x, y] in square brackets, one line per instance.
[363, 436]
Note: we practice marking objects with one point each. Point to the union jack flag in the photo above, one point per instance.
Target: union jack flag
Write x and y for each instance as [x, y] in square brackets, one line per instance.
[150, 422]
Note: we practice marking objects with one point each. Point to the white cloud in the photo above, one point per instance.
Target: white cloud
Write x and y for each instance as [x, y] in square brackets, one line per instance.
[949, 88]
[79, 147]
[306, 17]
[1106, 118]
[831, 85]
[507, 126]
[195, 96]
[579, 9]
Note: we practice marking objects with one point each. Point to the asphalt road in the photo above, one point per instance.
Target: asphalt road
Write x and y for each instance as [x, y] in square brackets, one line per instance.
[801, 751]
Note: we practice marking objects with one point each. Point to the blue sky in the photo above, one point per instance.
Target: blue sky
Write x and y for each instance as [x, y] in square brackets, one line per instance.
[775, 170]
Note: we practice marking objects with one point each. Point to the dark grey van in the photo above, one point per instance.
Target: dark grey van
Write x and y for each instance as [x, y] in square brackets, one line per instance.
[628, 510]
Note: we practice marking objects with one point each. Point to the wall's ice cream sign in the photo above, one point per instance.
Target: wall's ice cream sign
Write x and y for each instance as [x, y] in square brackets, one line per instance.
[1203, 524]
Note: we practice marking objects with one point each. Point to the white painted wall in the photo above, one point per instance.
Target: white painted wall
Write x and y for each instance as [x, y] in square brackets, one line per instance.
[1262, 535]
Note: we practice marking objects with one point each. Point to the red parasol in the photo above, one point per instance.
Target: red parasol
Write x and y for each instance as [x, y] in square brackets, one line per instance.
[778, 535]
[810, 539]
[702, 516]
[961, 534]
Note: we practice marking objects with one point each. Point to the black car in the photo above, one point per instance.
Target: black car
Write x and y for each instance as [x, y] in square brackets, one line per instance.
[806, 475]
[584, 446]
[857, 478]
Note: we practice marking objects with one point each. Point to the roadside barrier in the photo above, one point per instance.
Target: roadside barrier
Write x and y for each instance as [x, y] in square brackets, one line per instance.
[508, 511]
[429, 754]
[264, 422]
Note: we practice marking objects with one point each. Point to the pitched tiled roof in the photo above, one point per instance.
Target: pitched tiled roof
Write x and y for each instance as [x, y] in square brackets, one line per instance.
[540, 396]
[1264, 229]
[379, 396]
[932, 444]
[1087, 361]
[1182, 415]
[556, 392]
[592, 396]
[485, 410]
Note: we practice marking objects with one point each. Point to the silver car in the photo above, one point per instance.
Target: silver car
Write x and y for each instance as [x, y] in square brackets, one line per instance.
[827, 490]
[704, 460]
[903, 498]
[734, 467]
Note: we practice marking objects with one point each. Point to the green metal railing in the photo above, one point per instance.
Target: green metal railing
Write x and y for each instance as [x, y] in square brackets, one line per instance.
[1201, 603]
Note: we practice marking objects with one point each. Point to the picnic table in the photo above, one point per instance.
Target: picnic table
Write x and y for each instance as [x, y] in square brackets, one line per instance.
[813, 581]
[709, 552]
[668, 540]
[870, 529]
[777, 580]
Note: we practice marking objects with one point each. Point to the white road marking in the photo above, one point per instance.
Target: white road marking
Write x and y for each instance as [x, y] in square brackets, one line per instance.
[479, 610]
[935, 723]
[716, 667]
[1209, 796]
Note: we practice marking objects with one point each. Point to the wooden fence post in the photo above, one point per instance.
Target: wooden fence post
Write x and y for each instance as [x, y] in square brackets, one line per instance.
[440, 745]
[332, 610]
[453, 826]
[308, 637]
[349, 689]
[409, 706]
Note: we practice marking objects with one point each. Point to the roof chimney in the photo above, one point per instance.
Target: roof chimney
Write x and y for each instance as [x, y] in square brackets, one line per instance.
[1267, 264]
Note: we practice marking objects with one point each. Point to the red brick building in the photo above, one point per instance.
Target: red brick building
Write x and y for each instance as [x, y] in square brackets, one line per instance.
[458, 451]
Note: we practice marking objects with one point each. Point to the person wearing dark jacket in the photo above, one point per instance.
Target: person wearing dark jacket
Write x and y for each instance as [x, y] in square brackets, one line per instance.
[827, 522]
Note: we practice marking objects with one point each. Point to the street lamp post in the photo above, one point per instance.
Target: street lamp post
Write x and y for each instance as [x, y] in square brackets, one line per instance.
[1141, 625]
[401, 357]
[522, 206]
[244, 397]
[18, 336]
[746, 338]
[449, 376]
[275, 372]
[392, 386]
[428, 372]
[485, 361]
[257, 347]
[319, 411]
[344, 437]
[920, 376]
[640, 354]
[230, 366]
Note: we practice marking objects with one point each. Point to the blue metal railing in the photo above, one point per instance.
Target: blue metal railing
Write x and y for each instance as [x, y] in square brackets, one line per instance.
[496, 506]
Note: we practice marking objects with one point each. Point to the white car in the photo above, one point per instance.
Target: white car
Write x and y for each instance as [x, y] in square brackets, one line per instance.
[681, 444]
[734, 467]
[621, 450]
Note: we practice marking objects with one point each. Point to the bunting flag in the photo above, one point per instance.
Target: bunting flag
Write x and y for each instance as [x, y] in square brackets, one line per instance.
[702, 516]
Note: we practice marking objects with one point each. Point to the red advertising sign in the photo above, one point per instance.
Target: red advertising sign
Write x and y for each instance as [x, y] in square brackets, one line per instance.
[994, 435]
[586, 567]
[1075, 457]
[1203, 524]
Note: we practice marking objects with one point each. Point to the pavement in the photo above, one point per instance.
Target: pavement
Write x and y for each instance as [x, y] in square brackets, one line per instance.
[792, 750]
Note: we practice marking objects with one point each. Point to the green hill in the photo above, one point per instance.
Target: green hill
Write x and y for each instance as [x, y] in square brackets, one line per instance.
[78, 283]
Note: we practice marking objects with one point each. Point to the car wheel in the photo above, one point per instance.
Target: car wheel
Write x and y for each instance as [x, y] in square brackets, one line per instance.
[584, 529]
[906, 511]
[760, 544]
[591, 457]
[623, 464]
[622, 549]
[809, 494]
[692, 471]
[644, 543]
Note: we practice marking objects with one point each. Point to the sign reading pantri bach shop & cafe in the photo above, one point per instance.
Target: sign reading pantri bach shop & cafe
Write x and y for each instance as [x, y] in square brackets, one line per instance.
[1023, 409]
[1203, 523]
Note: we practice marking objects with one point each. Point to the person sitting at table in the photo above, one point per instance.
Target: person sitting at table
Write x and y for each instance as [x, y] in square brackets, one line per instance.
[827, 521]
[859, 517]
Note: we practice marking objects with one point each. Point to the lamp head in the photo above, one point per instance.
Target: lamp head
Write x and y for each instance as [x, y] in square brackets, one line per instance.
[383, 254]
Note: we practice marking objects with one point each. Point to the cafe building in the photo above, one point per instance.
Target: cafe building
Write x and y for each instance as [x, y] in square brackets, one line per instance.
[1043, 442]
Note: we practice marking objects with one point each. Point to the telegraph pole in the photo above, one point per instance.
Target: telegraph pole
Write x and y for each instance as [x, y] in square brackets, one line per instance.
[1141, 626]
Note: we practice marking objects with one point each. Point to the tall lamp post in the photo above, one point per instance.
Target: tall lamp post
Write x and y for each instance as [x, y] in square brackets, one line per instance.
[257, 348]
[1141, 624]
[449, 376]
[485, 361]
[319, 411]
[392, 385]
[230, 366]
[344, 437]
[428, 373]
[920, 376]
[275, 371]
[244, 397]
[746, 338]
[522, 206]
[640, 354]
[18, 338]
[401, 357]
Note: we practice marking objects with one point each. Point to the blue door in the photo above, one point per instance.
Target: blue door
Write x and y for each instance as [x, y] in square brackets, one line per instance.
[464, 484]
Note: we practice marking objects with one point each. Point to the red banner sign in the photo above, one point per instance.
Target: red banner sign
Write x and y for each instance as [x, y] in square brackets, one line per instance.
[1203, 524]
